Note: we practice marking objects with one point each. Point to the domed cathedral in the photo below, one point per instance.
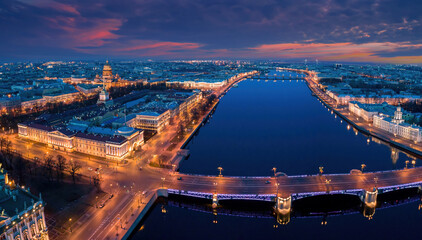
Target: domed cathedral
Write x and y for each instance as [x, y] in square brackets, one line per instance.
[107, 71]
[108, 78]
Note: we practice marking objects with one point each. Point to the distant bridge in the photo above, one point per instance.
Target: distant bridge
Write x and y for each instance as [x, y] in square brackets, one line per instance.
[278, 77]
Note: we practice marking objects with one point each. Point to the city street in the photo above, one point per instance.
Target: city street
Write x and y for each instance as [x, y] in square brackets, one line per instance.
[136, 180]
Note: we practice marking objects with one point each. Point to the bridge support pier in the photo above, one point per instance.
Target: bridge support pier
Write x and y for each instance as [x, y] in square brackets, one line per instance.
[214, 200]
[370, 198]
[283, 205]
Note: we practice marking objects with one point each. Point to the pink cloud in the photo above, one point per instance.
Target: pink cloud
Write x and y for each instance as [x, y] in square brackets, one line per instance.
[74, 36]
[161, 45]
[53, 5]
[364, 52]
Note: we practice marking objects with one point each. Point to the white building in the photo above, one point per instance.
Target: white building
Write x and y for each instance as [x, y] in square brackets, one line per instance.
[368, 111]
[209, 84]
[116, 145]
[365, 113]
[152, 120]
[398, 127]
[22, 214]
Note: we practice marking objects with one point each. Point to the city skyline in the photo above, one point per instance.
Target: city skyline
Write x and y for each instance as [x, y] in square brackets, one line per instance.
[210, 119]
[344, 31]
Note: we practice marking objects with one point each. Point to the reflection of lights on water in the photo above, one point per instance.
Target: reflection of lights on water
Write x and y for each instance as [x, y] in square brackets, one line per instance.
[163, 210]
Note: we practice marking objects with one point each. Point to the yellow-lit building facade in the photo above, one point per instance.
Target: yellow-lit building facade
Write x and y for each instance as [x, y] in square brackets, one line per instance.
[114, 147]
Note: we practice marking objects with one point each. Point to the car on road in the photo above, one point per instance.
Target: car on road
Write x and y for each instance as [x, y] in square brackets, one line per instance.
[179, 178]
[140, 168]
[267, 182]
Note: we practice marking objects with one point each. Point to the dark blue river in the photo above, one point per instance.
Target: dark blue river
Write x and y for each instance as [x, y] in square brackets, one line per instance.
[261, 125]
[400, 222]
[264, 124]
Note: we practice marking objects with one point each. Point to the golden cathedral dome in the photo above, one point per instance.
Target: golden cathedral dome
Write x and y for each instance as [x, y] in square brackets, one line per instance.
[107, 71]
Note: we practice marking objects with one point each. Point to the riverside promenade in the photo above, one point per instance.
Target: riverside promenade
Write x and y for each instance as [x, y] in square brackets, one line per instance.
[138, 189]
[356, 122]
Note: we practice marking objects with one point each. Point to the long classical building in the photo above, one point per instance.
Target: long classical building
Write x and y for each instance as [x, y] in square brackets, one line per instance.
[368, 111]
[365, 113]
[397, 126]
[156, 120]
[22, 214]
[344, 98]
[114, 144]
[203, 84]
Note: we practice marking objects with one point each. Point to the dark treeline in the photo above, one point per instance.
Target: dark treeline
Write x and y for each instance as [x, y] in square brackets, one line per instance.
[51, 169]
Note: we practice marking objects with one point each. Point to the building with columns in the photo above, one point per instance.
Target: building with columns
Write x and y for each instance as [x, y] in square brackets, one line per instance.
[368, 111]
[208, 84]
[397, 126]
[22, 214]
[96, 141]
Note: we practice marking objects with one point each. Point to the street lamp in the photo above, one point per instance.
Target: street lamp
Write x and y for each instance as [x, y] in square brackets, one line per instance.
[362, 166]
[407, 162]
[70, 224]
[327, 182]
[413, 162]
[376, 181]
[274, 169]
[220, 169]
[321, 170]
[162, 183]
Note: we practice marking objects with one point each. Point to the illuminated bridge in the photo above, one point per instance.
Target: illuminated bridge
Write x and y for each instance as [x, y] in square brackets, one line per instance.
[283, 190]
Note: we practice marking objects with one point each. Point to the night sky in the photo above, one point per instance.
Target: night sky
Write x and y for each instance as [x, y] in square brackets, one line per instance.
[386, 31]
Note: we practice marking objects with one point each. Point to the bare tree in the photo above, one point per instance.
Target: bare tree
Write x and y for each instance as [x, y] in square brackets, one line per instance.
[49, 164]
[20, 167]
[97, 182]
[7, 146]
[195, 113]
[61, 166]
[185, 116]
[181, 129]
[74, 168]
[2, 142]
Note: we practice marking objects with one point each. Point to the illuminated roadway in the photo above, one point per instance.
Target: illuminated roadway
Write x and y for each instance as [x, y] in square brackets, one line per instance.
[131, 185]
[103, 223]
